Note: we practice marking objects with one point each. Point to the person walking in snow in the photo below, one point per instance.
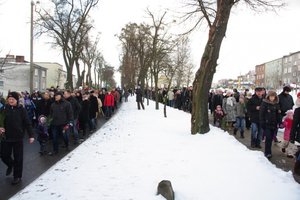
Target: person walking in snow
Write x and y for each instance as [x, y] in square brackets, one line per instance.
[229, 109]
[240, 116]
[139, 98]
[108, 103]
[270, 119]
[253, 107]
[42, 132]
[288, 147]
[15, 123]
[62, 118]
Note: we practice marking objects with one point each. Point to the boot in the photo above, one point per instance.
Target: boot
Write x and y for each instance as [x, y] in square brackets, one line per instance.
[242, 135]
[234, 131]
[297, 168]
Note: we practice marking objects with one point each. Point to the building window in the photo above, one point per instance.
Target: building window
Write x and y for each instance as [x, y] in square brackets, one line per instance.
[286, 59]
[1, 83]
[262, 76]
[43, 74]
[285, 70]
[284, 80]
[298, 79]
[289, 69]
[290, 60]
[36, 72]
[262, 67]
[43, 85]
[36, 85]
[298, 67]
[295, 62]
[299, 56]
[294, 73]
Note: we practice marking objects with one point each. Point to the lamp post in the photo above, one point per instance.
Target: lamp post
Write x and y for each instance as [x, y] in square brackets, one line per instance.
[31, 47]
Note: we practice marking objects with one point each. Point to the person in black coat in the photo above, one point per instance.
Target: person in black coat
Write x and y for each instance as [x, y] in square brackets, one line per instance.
[93, 110]
[46, 104]
[217, 100]
[76, 107]
[15, 123]
[62, 118]
[84, 115]
[253, 107]
[139, 98]
[285, 100]
[101, 96]
[270, 119]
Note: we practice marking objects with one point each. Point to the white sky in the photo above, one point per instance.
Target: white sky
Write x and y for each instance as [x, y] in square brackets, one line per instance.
[136, 149]
[251, 39]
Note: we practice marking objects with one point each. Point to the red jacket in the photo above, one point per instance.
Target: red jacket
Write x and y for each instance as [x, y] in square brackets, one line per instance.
[109, 100]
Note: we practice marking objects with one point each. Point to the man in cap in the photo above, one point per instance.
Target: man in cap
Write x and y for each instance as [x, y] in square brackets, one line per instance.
[62, 119]
[285, 100]
[16, 119]
[253, 107]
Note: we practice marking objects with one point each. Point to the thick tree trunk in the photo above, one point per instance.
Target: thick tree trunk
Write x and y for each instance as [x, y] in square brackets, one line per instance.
[205, 74]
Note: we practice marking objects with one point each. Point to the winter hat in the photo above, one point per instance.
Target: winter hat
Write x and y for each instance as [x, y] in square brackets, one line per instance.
[287, 89]
[218, 106]
[242, 97]
[298, 95]
[272, 93]
[59, 93]
[258, 89]
[289, 112]
[13, 95]
[42, 116]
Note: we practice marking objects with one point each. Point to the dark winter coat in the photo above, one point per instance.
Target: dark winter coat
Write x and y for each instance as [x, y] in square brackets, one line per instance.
[46, 105]
[178, 100]
[76, 107]
[217, 100]
[295, 130]
[251, 107]
[61, 113]
[286, 102]
[139, 95]
[84, 113]
[15, 122]
[270, 113]
[42, 132]
[37, 103]
[101, 97]
[94, 106]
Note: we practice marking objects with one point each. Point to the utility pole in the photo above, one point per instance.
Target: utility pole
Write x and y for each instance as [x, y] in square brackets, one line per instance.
[31, 49]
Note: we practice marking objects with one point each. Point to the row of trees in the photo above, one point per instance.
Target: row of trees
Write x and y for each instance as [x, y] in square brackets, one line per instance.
[69, 24]
[149, 50]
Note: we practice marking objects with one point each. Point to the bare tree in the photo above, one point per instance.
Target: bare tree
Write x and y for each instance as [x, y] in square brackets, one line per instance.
[68, 25]
[216, 15]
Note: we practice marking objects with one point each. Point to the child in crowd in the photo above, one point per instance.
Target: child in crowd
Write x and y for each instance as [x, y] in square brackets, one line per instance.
[219, 116]
[287, 124]
[30, 110]
[42, 131]
[240, 116]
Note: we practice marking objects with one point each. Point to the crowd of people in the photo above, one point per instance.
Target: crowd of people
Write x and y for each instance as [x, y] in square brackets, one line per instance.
[52, 115]
[264, 112]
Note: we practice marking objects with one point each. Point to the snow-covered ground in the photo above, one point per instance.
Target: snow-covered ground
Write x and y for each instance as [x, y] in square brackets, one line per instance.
[136, 149]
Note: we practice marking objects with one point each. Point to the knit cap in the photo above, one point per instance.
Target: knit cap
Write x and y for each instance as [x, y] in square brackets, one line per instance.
[13, 95]
[298, 95]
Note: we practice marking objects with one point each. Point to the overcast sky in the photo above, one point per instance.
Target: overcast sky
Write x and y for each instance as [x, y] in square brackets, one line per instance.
[251, 39]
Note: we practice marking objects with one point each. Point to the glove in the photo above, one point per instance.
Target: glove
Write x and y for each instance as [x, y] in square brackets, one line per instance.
[263, 126]
[71, 123]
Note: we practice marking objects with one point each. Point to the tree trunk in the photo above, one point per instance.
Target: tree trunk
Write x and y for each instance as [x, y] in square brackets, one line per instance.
[205, 74]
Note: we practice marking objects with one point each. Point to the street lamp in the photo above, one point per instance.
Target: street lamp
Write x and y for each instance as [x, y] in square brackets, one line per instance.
[31, 47]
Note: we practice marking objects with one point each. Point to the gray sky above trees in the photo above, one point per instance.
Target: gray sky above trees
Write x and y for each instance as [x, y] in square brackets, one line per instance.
[251, 39]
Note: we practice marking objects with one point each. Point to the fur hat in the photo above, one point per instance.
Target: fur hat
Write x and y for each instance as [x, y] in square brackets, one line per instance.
[14, 95]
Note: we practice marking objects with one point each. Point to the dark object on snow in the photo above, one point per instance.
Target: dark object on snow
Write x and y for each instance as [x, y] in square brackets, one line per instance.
[165, 189]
